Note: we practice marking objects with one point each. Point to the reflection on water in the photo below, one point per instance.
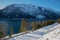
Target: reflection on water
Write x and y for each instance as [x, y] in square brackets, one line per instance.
[15, 24]
[3, 26]
[7, 25]
[22, 25]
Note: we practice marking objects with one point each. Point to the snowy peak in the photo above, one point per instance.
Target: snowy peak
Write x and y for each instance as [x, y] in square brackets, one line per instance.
[29, 11]
[22, 7]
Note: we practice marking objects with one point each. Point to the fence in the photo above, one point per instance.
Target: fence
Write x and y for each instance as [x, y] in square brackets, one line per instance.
[26, 24]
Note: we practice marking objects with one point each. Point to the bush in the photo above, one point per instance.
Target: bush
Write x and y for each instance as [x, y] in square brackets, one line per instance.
[36, 25]
[58, 20]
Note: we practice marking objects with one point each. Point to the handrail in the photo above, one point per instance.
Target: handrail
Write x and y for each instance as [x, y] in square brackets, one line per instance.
[34, 24]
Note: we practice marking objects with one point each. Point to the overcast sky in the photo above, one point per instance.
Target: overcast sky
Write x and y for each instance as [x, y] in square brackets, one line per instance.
[54, 4]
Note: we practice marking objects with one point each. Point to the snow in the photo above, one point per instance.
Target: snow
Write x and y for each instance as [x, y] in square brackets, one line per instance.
[44, 30]
[40, 17]
[32, 11]
[52, 34]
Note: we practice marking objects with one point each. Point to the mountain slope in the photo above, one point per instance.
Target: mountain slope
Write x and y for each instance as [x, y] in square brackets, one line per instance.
[29, 11]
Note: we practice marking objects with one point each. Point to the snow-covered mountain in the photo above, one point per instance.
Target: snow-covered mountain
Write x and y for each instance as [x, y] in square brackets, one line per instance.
[28, 11]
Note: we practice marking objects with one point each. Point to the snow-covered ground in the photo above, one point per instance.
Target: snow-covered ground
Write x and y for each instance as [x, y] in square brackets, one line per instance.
[50, 32]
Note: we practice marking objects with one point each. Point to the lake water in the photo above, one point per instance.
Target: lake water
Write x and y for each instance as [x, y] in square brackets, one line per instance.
[14, 24]
[11, 24]
[8, 24]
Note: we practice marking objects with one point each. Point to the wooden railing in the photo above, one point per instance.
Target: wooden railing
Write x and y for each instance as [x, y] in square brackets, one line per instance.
[25, 24]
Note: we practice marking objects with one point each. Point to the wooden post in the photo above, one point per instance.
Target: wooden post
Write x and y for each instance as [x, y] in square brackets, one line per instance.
[58, 20]
[1, 33]
[23, 26]
[46, 23]
[11, 32]
[34, 24]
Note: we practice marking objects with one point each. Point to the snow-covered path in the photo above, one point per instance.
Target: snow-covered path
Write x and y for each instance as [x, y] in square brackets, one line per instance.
[50, 32]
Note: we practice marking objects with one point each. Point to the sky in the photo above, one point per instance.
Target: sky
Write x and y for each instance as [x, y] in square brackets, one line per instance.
[53, 4]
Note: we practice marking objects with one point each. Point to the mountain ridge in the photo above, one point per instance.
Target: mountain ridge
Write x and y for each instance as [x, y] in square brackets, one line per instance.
[28, 11]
